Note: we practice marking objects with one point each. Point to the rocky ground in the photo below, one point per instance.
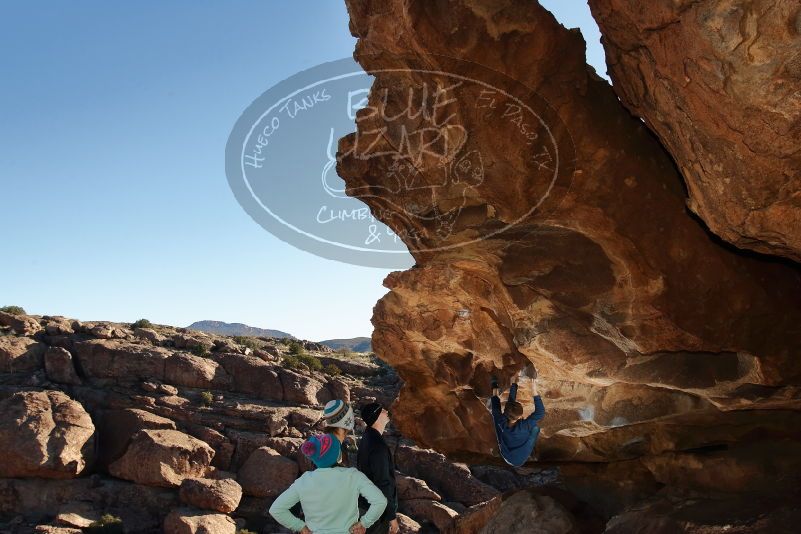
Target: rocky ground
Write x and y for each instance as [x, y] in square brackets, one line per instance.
[175, 430]
[178, 431]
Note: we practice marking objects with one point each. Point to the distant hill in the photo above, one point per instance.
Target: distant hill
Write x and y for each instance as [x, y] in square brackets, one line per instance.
[235, 329]
[356, 344]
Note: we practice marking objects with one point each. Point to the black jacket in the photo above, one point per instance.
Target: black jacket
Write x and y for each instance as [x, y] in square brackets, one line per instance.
[374, 459]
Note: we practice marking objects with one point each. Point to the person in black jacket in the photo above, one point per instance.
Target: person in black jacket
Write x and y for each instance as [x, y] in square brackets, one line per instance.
[374, 459]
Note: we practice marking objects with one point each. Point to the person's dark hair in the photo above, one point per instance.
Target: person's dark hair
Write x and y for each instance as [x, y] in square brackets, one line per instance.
[514, 410]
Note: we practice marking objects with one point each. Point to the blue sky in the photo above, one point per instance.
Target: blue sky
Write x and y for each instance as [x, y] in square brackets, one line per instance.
[113, 198]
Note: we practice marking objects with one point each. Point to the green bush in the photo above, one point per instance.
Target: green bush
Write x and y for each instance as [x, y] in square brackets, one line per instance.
[107, 524]
[142, 323]
[13, 310]
[206, 398]
[332, 370]
[292, 362]
[296, 348]
[200, 350]
[311, 362]
[247, 341]
[299, 361]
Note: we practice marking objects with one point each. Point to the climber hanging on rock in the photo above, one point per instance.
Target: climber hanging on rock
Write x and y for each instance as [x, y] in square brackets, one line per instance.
[516, 435]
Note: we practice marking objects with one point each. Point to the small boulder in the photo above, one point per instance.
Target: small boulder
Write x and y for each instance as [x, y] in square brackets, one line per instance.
[414, 488]
[57, 326]
[44, 434]
[266, 473]
[301, 389]
[352, 366]
[289, 447]
[23, 325]
[252, 375]
[190, 521]
[163, 458]
[167, 389]
[76, 514]
[195, 341]
[20, 354]
[117, 427]
[150, 335]
[103, 331]
[223, 447]
[407, 525]
[434, 512]
[220, 495]
[230, 346]
[60, 367]
[453, 481]
[339, 389]
[193, 371]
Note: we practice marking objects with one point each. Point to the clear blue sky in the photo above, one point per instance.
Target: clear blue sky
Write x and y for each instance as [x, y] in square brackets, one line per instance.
[113, 198]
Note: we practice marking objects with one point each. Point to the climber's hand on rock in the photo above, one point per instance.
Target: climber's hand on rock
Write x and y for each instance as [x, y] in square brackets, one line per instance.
[305, 530]
[394, 527]
[357, 528]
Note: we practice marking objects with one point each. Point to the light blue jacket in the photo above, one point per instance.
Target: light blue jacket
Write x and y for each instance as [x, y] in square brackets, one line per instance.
[329, 498]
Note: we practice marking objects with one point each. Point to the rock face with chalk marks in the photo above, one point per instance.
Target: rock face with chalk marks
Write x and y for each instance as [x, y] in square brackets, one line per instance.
[652, 337]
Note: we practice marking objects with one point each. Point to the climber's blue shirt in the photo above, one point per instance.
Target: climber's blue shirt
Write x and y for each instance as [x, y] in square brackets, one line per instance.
[517, 442]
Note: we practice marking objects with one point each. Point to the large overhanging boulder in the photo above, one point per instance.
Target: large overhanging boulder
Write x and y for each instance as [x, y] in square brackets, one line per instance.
[649, 334]
[719, 82]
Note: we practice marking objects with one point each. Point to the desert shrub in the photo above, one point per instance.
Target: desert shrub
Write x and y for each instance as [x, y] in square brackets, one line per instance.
[311, 362]
[300, 361]
[247, 341]
[343, 351]
[290, 361]
[200, 350]
[13, 310]
[206, 398]
[296, 348]
[332, 370]
[142, 323]
[107, 524]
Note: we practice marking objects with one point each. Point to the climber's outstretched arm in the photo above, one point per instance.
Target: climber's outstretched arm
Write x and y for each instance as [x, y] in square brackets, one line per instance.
[496, 406]
[539, 410]
[513, 391]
